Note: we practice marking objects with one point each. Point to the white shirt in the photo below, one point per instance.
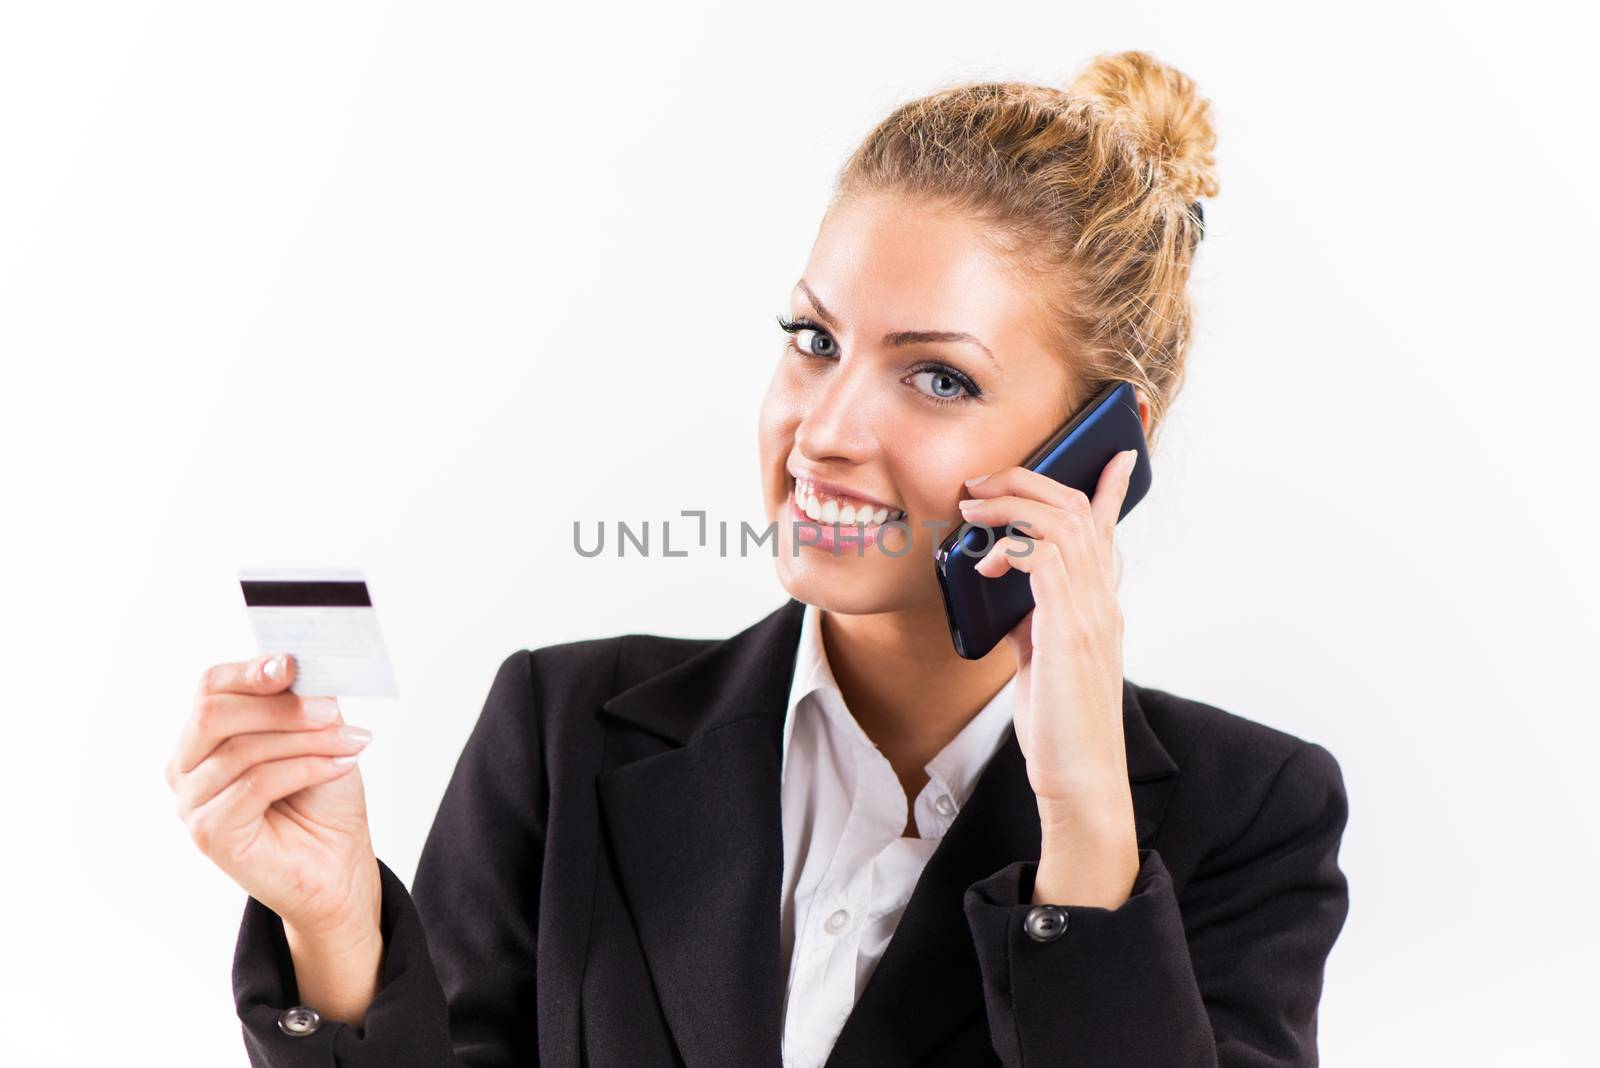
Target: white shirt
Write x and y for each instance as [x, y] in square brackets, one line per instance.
[848, 872]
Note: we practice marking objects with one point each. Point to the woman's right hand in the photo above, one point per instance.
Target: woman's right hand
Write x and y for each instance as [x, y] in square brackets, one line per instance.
[260, 790]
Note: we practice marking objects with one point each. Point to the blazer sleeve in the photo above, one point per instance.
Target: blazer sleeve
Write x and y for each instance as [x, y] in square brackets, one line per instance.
[1229, 973]
[456, 985]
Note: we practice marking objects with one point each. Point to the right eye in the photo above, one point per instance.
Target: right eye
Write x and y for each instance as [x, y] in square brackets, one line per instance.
[797, 329]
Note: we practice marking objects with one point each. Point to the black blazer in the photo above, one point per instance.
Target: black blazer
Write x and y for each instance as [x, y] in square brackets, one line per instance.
[602, 886]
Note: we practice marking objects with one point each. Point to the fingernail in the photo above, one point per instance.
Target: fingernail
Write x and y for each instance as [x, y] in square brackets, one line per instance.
[1131, 461]
[273, 669]
[349, 759]
[321, 709]
[963, 502]
[351, 733]
[975, 481]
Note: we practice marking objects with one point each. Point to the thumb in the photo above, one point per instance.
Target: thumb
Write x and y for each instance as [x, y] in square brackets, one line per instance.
[272, 673]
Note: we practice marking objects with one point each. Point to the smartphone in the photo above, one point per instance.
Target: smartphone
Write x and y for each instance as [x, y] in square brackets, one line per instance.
[981, 610]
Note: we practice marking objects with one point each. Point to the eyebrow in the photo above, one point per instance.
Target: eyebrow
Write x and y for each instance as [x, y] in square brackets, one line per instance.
[898, 337]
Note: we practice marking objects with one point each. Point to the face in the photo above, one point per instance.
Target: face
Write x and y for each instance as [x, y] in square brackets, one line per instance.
[877, 407]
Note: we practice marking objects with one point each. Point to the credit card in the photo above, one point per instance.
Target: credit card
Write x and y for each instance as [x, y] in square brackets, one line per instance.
[324, 617]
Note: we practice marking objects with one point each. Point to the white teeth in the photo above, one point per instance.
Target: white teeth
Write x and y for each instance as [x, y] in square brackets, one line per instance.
[831, 511]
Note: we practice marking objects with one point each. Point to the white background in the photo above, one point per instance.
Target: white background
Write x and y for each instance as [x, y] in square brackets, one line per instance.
[411, 287]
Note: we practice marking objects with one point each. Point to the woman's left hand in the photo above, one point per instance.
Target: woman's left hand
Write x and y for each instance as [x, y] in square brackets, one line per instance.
[1068, 693]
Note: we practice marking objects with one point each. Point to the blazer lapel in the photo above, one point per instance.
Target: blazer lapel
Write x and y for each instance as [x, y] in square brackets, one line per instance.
[696, 832]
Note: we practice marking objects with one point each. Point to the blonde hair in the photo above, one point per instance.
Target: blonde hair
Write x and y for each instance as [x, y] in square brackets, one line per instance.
[1092, 189]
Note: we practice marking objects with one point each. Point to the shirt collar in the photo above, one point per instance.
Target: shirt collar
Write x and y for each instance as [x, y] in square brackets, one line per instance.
[811, 673]
[957, 766]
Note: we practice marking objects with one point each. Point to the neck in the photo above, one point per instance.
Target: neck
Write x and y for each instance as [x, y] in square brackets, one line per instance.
[905, 684]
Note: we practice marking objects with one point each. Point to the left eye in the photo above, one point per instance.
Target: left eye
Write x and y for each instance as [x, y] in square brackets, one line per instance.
[817, 336]
[942, 383]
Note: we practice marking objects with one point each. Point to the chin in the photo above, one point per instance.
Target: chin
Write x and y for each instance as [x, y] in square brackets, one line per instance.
[840, 585]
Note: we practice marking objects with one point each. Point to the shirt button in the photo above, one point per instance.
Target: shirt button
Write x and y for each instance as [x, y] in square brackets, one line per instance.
[1045, 923]
[945, 805]
[837, 921]
[299, 1021]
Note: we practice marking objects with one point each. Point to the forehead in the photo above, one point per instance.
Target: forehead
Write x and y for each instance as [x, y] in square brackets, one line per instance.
[884, 263]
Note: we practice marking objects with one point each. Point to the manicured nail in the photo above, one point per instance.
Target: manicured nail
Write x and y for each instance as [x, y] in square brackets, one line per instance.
[321, 709]
[348, 759]
[351, 733]
[975, 481]
[1130, 461]
[963, 502]
[273, 669]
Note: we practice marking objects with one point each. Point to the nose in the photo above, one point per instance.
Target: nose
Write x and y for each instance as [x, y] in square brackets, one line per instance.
[838, 419]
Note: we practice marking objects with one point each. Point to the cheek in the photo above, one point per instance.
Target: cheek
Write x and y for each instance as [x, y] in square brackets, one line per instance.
[932, 463]
[775, 425]
[782, 407]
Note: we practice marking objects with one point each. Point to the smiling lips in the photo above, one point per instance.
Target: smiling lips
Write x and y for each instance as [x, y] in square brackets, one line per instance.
[823, 506]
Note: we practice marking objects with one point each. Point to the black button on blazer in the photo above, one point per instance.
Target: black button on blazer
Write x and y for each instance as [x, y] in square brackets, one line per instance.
[601, 887]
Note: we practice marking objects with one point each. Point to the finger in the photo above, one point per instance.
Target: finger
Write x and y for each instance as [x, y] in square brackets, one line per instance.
[1083, 582]
[241, 803]
[1070, 528]
[1111, 491]
[219, 716]
[1038, 557]
[269, 673]
[230, 759]
[1021, 482]
[1059, 601]
[1025, 483]
[1034, 519]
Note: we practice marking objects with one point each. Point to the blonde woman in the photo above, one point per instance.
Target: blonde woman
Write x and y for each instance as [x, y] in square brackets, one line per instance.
[829, 839]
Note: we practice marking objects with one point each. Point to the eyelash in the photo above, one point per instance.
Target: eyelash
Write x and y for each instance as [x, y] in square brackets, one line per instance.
[794, 326]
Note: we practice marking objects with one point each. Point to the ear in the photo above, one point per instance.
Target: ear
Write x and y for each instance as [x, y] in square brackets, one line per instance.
[1144, 410]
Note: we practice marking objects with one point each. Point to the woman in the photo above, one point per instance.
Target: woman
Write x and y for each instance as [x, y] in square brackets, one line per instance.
[828, 838]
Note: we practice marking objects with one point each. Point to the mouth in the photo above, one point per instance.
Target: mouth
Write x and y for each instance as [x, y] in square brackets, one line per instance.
[825, 503]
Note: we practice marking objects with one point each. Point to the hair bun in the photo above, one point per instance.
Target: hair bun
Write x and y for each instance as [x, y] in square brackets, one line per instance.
[1163, 113]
